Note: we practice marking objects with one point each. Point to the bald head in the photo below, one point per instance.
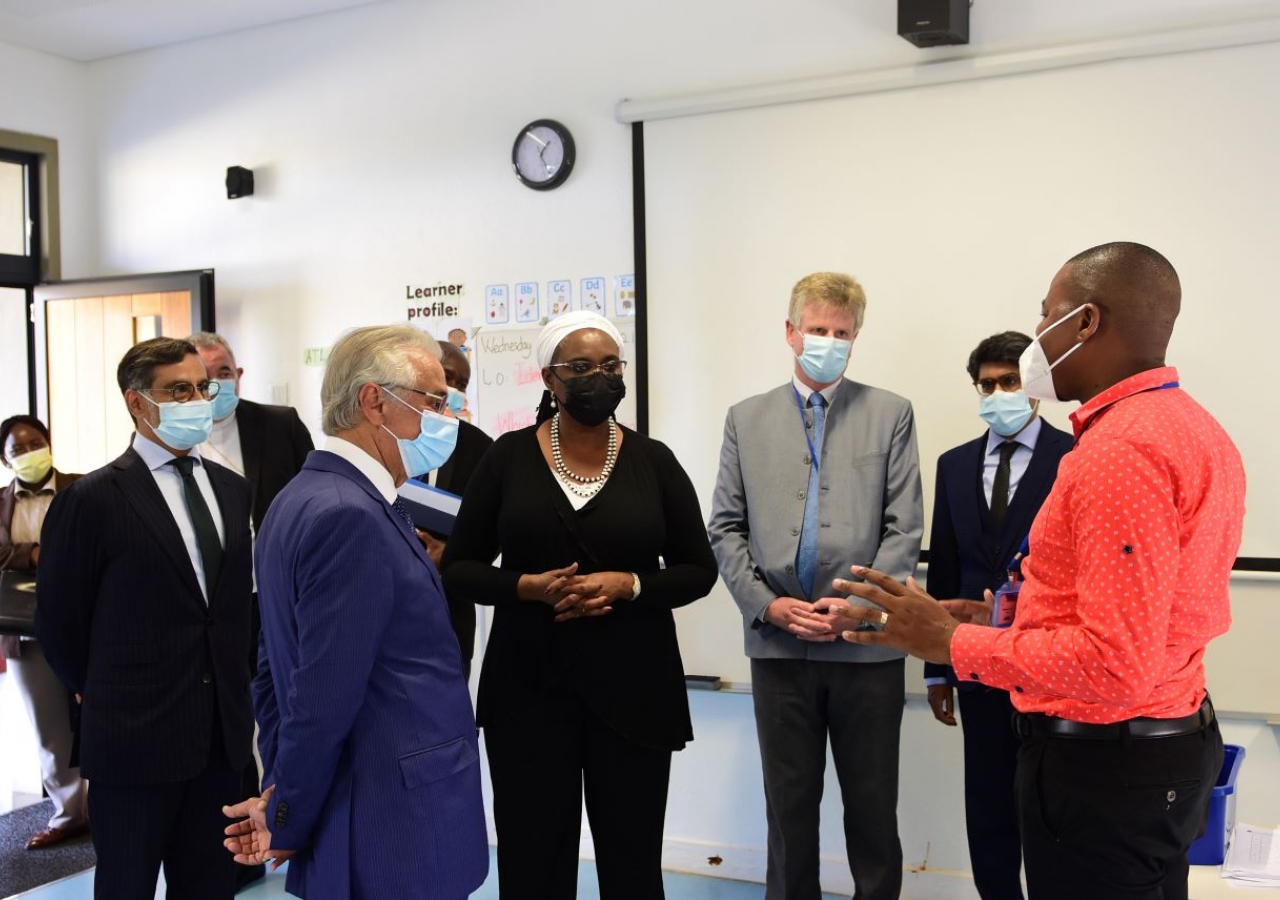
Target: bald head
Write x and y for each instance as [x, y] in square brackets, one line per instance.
[1136, 286]
[457, 368]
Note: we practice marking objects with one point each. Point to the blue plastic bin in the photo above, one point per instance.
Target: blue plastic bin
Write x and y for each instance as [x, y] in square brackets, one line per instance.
[1211, 847]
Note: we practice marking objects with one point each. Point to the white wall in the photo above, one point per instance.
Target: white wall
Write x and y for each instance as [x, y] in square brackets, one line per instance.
[380, 138]
[48, 96]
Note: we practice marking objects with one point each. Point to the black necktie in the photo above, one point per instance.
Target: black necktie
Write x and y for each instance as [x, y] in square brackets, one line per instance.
[206, 532]
[1000, 490]
[403, 510]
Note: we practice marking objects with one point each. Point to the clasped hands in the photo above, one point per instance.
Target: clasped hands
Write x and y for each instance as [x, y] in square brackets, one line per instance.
[908, 618]
[248, 838]
[574, 596]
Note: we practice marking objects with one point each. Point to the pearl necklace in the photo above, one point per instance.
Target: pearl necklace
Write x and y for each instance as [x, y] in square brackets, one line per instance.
[581, 484]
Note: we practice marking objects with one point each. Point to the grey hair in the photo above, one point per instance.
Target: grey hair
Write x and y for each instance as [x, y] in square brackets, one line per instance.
[207, 340]
[379, 354]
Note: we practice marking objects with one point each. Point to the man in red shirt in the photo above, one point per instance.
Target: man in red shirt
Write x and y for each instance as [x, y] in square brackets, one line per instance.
[1125, 584]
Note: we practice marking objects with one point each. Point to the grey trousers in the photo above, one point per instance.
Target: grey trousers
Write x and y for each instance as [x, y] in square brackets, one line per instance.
[45, 698]
[798, 705]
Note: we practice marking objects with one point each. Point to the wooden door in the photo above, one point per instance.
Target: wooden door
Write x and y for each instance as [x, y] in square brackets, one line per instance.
[87, 328]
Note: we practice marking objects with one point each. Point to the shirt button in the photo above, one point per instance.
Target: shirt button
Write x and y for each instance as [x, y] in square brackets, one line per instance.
[795, 530]
[207, 678]
[800, 495]
[973, 676]
[789, 569]
[1018, 688]
[807, 461]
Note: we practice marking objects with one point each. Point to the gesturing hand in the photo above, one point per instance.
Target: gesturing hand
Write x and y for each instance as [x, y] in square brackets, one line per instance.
[910, 620]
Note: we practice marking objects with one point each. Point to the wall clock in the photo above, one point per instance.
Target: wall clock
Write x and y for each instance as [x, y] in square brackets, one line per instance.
[543, 155]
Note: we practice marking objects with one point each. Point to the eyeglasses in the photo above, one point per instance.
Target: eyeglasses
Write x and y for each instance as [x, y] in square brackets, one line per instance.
[987, 386]
[581, 368]
[431, 402]
[184, 391]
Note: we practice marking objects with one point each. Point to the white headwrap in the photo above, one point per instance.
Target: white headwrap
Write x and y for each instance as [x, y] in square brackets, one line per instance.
[560, 328]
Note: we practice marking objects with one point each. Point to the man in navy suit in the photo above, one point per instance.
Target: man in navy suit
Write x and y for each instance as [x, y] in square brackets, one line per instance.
[367, 734]
[987, 493]
[144, 584]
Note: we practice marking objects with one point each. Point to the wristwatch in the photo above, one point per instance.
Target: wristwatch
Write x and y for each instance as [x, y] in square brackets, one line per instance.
[635, 586]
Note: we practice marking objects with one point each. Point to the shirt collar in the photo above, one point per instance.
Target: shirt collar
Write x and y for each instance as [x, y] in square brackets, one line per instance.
[369, 467]
[49, 487]
[828, 393]
[156, 456]
[225, 426]
[1134, 384]
[1026, 437]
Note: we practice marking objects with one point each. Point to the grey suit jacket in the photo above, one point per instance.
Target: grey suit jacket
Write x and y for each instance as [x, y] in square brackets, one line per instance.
[871, 510]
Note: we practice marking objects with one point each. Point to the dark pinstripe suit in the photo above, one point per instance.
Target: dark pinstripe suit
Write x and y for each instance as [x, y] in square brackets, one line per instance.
[167, 721]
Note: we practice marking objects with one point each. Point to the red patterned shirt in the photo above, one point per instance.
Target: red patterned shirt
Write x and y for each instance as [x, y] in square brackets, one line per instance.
[1126, 581]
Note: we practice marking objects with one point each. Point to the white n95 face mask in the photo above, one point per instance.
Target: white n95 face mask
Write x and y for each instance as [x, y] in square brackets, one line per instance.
[1035, 368]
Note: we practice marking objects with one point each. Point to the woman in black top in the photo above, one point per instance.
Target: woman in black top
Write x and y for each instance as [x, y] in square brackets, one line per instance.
[582, 688]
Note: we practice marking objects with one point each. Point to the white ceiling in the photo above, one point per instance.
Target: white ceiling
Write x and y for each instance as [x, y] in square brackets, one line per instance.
[88, 30]
[786, 38]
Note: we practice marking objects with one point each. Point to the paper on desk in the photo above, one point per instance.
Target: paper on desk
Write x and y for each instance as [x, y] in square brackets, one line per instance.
[1253, 856]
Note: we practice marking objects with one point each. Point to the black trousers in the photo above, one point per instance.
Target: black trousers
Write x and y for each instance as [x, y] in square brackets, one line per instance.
[798, 704]
[543, 764]
[1112, 819]
[137, 828]
[990, 811]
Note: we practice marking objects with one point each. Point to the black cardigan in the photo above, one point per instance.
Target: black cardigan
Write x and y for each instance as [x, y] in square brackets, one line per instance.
[624, 665]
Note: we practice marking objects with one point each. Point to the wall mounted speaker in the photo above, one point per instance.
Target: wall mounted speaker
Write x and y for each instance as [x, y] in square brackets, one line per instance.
[934, 23]
[239, 182]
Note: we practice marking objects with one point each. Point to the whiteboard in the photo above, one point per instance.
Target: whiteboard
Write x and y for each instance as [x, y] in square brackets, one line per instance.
[955, 205]
[509, 383]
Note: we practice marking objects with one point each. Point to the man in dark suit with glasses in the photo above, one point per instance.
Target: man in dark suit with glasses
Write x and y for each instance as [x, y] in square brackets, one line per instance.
[144, 586]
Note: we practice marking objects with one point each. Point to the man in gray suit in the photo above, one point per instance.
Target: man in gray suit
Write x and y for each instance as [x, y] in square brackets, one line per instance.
[815, 475]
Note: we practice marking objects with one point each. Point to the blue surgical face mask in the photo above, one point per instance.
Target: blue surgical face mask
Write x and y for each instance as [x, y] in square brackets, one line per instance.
[225, 403]
[824, 358]
[1006, 412]
[457, 400]
[183, 425]
[432, 447]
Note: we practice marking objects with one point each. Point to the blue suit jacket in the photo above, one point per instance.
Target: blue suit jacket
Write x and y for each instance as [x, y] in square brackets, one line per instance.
[367, 729]
[964, 559]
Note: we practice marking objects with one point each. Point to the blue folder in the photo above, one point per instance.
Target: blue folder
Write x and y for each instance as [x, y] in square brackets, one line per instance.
[431, 508]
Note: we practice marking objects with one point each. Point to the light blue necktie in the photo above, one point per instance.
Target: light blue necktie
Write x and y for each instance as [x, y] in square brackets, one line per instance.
[807, 554]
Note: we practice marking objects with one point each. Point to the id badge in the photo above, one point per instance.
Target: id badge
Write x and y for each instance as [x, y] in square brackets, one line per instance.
[1006, 605]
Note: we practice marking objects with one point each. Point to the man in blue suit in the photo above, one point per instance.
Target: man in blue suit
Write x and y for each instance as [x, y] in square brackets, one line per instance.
[987, 492]
[368, 737]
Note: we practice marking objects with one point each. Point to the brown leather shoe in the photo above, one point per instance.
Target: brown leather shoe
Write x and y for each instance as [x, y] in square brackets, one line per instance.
[51, 837]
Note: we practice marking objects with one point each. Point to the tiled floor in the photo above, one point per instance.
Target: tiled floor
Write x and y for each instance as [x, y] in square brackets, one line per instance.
[1205, 885]
[678, 887]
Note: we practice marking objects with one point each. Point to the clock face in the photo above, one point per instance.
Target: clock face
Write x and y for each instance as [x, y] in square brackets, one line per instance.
[543, 154]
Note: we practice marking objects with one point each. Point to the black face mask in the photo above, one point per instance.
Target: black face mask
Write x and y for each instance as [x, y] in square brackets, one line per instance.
[593, 399]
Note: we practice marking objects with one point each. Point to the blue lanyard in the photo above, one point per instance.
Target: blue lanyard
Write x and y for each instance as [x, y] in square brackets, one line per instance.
[804, 426]
[1098, 415]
